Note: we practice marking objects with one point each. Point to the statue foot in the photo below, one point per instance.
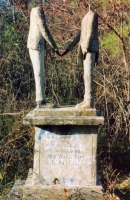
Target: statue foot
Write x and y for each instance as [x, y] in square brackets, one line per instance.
[41, 104]
[84, 105]
[79, 104]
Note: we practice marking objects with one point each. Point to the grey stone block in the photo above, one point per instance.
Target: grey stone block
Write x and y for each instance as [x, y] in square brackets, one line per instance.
[63, 116]
[55, 192]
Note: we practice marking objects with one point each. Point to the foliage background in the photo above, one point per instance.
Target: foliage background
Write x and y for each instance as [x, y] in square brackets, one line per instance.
[64, 84]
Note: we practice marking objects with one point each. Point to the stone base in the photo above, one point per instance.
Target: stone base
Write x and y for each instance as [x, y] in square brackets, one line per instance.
[63, 112]
[55, 192]
[67, 153]
[64, 155]
[63, 116]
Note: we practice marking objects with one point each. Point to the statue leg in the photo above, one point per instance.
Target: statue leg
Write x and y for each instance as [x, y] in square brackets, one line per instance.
[37, 58]
[88, 63]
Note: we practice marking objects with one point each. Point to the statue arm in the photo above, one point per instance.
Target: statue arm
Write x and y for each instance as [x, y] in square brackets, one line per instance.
[72, 44]
[45, 31]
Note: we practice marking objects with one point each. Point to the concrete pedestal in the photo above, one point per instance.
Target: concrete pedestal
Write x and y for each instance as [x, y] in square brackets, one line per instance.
[55, 192]
[64, 153]
[67, 153]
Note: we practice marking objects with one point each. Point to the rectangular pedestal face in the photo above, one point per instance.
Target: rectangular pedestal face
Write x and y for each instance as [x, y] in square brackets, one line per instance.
[65, 155]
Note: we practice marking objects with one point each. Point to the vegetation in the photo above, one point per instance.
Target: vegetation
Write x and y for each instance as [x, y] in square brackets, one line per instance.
[64, 84]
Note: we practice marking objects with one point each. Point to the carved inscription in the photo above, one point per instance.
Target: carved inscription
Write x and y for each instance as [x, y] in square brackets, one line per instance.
[67, 159]
[64, 154]
[64, 149]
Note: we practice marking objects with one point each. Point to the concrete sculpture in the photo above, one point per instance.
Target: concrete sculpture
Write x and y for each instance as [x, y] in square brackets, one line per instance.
[87, 54]
[38, 35]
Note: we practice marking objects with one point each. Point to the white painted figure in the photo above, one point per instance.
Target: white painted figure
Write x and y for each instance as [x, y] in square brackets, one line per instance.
[38, 35]
[87, 54]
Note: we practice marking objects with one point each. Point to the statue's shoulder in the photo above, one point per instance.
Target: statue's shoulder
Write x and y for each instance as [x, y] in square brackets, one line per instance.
[35, 10]
[93, 14]
[90, 14]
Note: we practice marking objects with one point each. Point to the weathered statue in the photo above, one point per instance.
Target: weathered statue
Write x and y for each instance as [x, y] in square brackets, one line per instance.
[87, 55]
[38, 34]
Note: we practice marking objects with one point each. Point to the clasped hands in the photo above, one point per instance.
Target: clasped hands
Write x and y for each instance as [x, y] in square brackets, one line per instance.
[66, 51]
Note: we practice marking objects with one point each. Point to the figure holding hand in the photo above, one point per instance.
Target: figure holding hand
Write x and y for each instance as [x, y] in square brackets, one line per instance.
[87, 54]
[38, 35]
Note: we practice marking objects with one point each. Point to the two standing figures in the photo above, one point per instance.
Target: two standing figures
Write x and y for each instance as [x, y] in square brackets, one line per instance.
[87, 38]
